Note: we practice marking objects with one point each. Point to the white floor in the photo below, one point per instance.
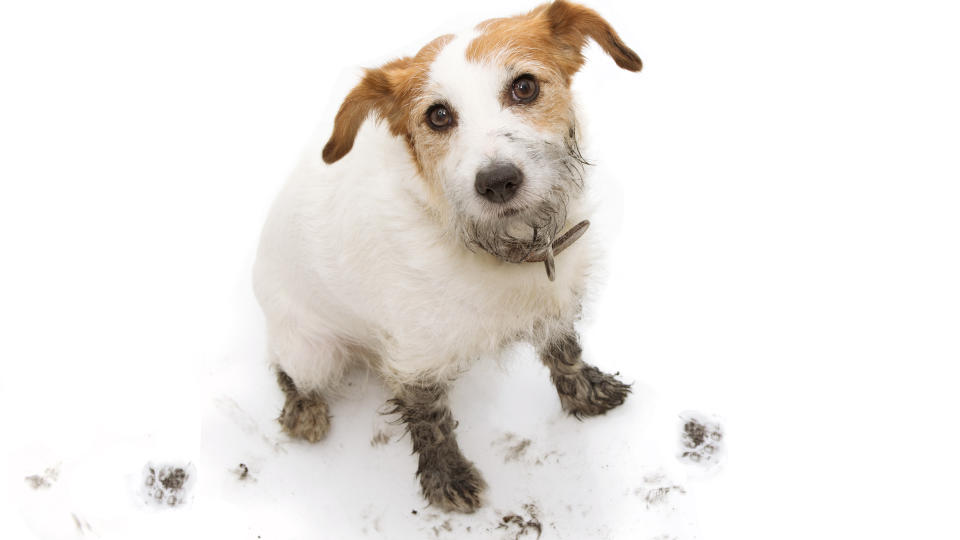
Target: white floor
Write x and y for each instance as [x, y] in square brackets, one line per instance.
[616, 476]
[780, 195]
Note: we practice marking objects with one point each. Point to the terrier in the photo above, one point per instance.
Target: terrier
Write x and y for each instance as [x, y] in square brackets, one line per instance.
[430, 233]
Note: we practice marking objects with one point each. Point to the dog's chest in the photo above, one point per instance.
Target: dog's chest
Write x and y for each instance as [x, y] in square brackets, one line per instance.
[481, 305]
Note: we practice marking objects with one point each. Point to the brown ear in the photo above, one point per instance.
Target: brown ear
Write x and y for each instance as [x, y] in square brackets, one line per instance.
[572, 24]
[373, 94]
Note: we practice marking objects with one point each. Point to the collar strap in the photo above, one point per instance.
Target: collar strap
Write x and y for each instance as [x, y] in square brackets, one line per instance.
[561, 243]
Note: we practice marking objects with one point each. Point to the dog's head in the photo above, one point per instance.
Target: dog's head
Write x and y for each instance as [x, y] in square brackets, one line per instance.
[489, 121]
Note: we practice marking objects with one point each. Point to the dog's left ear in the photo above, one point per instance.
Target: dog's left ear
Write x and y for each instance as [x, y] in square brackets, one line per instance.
[573, 24]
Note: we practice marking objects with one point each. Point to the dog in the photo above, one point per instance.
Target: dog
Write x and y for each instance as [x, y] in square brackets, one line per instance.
[440, 222]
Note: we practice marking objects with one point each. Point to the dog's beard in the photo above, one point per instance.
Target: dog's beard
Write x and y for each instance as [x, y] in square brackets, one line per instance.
[514, 238]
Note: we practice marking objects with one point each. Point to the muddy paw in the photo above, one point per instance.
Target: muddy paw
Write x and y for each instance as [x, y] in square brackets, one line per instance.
[453, 487]
[305, 417]
[590, 392]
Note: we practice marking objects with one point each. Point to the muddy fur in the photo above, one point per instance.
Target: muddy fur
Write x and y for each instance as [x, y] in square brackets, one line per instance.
[304, 416]
[447, 479]
[583, 389]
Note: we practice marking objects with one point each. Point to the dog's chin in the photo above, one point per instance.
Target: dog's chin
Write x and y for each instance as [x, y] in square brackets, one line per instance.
[513, 239]
[512, 250]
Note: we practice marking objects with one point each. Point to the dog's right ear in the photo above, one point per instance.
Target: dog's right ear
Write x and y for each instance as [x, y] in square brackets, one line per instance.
[373, 94]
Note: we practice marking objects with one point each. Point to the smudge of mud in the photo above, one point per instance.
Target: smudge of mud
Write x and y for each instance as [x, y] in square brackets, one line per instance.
[45, 480]
[517, 449]
[450, 526]
[701, 440]
[380, 439]
[445, 526]
[522, 526]
[166, 484]
[243, 473]
[551, 456]
[82, 526]
[658, 491]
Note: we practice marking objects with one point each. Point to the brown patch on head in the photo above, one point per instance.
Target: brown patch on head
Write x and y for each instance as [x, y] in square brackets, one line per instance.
[390, 91]
[547, 43]
[552, 35]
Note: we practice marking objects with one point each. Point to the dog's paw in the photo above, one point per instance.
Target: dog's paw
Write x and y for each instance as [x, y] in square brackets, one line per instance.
[590, 392]
[452, 485]
[305, 417]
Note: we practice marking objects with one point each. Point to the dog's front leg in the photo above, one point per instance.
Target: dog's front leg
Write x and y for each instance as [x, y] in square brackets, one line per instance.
[447, 479]
[583, 389]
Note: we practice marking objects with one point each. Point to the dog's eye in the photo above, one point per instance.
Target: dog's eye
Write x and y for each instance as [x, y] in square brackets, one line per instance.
[525, 89]
[439, 117]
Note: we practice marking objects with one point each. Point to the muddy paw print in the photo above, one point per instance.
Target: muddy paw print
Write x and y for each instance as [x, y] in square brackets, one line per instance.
[701, 440]
[166, 485]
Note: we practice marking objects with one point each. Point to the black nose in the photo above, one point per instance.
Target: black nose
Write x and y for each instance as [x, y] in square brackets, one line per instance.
[498, 182]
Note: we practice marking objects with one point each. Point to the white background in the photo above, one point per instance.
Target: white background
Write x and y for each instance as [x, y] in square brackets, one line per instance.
[781, 214]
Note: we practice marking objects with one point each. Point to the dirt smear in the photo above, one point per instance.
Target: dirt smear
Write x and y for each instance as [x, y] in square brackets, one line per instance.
[445, 526]
[519, 450]
[243, 473]
[380, 439]
[522, 526]
[516, 451]
[550, 457]
[82, 526]
[45, 480]
[658, 491]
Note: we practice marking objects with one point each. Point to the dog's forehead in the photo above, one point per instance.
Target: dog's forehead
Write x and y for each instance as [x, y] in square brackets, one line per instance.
[456, 77]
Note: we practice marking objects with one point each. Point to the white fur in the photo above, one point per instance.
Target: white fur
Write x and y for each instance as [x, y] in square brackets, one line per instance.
[354, 266]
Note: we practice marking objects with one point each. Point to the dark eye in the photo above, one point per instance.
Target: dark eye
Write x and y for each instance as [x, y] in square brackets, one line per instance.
[525, 89]
[439, 117]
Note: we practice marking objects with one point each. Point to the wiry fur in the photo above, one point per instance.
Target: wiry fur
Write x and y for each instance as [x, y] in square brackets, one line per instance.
[379, 249]
[447, 479]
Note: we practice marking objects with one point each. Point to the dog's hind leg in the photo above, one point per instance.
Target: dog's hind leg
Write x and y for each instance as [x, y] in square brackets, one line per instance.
[305, 415]
[583, 389]
[447, 479]
[308, 366]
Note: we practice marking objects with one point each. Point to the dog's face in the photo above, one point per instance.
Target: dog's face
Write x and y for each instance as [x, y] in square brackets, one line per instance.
[488, 118]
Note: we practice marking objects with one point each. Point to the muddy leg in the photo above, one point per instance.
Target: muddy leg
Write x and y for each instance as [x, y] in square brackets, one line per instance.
[583, 389]
[447, 479]
[304, 416]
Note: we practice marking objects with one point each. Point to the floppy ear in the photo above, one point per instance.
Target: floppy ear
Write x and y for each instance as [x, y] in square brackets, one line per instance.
[572, 24]
[373, 94]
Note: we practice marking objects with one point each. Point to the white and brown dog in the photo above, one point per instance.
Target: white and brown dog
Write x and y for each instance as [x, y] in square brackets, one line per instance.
[419, 241]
